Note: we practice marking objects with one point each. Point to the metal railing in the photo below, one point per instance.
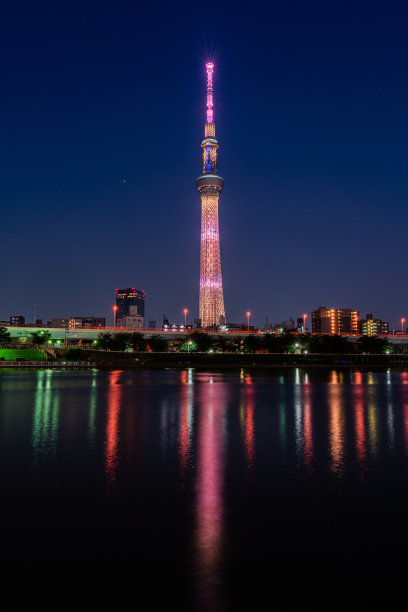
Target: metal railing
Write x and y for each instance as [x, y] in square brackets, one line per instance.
[46, 364]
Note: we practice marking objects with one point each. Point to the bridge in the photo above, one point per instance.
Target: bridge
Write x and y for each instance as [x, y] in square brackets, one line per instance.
[92, 333]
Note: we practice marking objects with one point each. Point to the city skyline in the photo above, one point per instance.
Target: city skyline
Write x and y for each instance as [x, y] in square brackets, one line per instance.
[313, 147]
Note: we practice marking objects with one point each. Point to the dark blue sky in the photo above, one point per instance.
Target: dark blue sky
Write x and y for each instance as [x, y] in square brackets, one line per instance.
[311, 104]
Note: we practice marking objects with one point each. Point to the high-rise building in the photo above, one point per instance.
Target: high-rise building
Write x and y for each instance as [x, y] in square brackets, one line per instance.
[17, 320]
[288, 325]
[93, 321]
[209, 185]
[125, 298]
[373, 327]
[76, 323]
[58, 322]
[132, 320]
[335, 321]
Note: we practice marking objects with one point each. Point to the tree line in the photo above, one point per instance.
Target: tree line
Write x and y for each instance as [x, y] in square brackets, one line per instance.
[286, 343]
[267, 343]
[203, 342]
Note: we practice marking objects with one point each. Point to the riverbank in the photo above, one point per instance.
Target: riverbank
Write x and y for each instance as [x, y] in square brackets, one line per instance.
[248, 360]
[110, 359]
[51, 363]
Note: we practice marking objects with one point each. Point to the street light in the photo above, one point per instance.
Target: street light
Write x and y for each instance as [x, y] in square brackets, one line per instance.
[114, 316]
[304, 322]
[185, 316]
[188, 345]
[402, 325]
[248, 315]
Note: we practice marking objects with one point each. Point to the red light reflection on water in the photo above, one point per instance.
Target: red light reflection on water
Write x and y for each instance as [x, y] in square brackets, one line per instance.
[249, 437]
[336, 425]
[112, 428]
[307, 425]
[185, 431]
[406, 427]
[404, 398]
[358, 391]
[209, 500]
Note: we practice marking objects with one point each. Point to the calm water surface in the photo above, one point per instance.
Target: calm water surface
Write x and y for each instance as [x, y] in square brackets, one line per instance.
[210, 486]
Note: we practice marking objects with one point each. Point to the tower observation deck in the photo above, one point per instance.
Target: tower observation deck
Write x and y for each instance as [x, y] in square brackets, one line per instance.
[209, 185]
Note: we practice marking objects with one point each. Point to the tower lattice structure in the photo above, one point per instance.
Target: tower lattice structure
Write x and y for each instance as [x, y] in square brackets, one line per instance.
[209, 185]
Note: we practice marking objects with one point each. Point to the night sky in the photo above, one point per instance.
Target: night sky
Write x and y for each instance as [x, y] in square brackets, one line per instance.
[103, 110]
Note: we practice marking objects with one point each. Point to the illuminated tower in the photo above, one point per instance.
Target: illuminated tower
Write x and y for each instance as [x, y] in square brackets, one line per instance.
[209, 185]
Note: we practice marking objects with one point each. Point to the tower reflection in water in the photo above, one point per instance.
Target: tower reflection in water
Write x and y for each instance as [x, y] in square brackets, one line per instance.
[336, 424]
[92, 409]
[390, 413]
[372, 415]
[209, 494]
[404, 398]
[303, 429]
[112, 429]
[186, 420]
[246, 417]
[358, 393]
[45, 421]
[307, 424]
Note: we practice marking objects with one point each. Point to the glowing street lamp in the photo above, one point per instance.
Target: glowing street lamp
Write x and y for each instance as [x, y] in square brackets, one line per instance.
[189, 345]
[185, 316]
[114, 316]
[248, 314]
[304, 322]
[402, 325]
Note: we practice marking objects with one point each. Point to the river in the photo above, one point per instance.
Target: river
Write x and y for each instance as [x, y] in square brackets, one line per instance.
[215, 485]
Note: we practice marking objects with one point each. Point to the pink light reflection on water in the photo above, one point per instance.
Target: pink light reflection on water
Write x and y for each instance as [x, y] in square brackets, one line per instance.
[307, 426]
[406, 427]
[186, 421]
[249, 438]
[336, 425]
[358, 391]
[112, 429]
[209, 494]
[404, 399]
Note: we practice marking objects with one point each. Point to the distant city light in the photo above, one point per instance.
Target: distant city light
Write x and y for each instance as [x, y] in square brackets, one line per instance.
[248, 314]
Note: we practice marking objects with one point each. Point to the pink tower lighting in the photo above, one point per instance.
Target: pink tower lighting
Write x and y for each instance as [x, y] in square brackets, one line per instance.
[210, 114]
[209, 185]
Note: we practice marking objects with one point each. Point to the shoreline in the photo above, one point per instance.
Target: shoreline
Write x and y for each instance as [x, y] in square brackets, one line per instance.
[197, 365]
